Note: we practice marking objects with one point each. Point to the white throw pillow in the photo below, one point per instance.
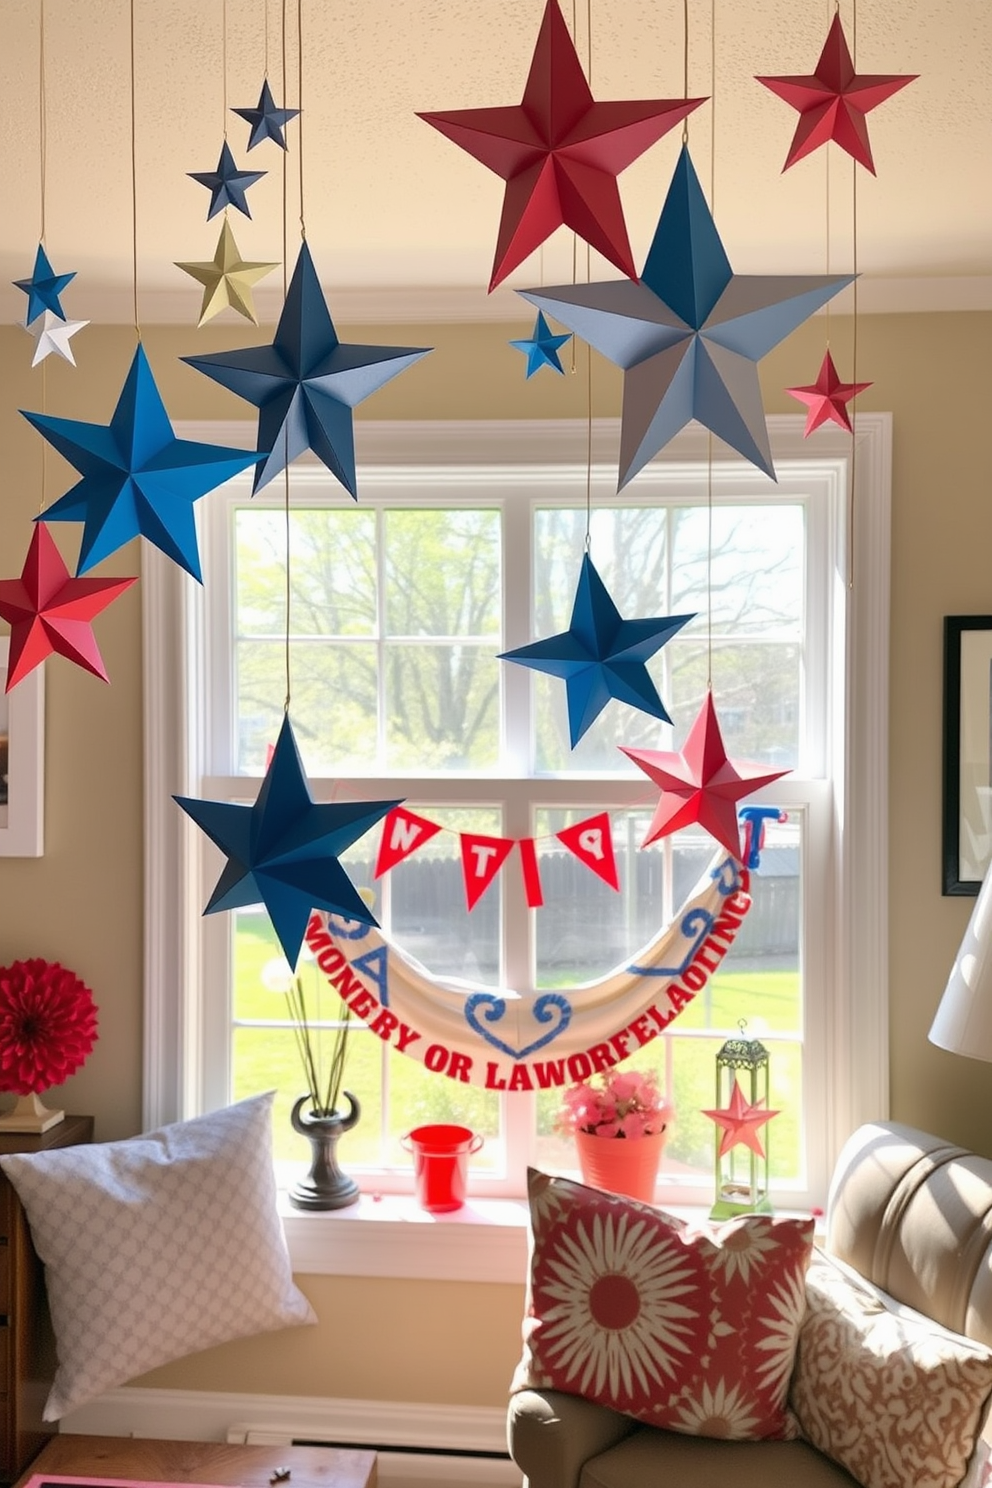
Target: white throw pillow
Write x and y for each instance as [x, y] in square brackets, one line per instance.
[158, 1246]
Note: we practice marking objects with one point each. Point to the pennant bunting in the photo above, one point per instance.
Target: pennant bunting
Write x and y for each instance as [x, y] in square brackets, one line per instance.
[403, 833]
[482, 858]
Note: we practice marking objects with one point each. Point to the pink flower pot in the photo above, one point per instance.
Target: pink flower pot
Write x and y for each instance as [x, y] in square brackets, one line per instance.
[621, 1165]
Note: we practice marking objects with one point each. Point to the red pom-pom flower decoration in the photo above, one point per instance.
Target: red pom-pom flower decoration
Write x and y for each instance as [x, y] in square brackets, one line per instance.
[47, 1025]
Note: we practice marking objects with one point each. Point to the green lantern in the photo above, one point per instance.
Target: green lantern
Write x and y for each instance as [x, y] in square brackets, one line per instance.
[742, 1113]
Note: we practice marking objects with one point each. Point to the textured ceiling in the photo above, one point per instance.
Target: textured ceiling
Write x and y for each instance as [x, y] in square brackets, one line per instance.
[399, 220]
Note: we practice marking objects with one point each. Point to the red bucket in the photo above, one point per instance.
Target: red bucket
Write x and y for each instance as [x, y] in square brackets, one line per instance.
[440, 1164]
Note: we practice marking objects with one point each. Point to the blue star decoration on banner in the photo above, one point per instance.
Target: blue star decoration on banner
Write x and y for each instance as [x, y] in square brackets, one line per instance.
[307, 382]
[283, 851]
[227, 184]
[541, 348]
[267, 121]
[44, 287]
[690, 334]
[138, 478]
[601, 655]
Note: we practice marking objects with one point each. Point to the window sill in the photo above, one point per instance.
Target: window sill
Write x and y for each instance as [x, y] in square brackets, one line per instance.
[392, 1236]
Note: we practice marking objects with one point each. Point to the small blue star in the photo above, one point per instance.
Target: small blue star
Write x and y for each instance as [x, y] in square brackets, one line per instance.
[138, 478]
[541, 348]
[601, 655]
[267, 121]
[227, 185]
[307, 382]
[283, 851]
[43, 288]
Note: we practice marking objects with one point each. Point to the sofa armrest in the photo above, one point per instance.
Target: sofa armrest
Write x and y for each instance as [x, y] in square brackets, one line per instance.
[551, 1435]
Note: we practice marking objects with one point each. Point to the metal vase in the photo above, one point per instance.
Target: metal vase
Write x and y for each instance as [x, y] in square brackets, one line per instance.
[325, 1186]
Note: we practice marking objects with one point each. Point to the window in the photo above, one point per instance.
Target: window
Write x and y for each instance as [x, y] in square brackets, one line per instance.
[466, 541]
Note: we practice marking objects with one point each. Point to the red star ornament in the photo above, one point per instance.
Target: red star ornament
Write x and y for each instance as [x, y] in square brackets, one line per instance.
[827, 398]
[560, 152]
[701, 784]
[49, 611]
[740, 1122]
[833, 102]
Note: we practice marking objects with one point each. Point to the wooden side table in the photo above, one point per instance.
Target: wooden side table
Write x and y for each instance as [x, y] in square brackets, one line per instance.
[101, 1457]
[27, 1345]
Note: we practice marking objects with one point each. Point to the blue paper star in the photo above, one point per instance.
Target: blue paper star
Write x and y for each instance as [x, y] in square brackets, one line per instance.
[138, 478]
[283, 851]
[44, 287]
[227, 185]
[541, 348]
[601, 655]
[307, 382]
[267, 121]
[690, 334]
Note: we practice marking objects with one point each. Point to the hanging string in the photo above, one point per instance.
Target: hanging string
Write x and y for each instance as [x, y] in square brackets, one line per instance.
[588, 423]
[685, 66]
[299, 104]
[43, 174]
[709, 437]
[265, 17]
[134, 187]
[285, 170]
[854, 336]
[223, 69]
[285, 434]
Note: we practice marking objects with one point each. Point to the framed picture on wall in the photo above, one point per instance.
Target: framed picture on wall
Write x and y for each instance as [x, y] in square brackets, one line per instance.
[967, 823]
[22, 763]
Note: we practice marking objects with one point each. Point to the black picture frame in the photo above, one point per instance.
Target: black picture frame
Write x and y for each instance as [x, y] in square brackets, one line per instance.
[967, 794]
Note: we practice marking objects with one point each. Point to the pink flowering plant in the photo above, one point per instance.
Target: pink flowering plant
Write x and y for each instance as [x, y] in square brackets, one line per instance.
[616, 1103]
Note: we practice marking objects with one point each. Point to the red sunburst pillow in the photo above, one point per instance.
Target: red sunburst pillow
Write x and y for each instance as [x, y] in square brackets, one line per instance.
[690, 1327]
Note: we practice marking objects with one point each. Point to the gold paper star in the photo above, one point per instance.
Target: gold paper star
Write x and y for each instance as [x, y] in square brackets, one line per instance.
[227, 279]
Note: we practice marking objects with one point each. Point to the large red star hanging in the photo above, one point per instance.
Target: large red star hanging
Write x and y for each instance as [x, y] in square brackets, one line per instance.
[48, 611]
[560, 152]
[833, 102]
[700, 784]
[740, 1122]
[827, 398]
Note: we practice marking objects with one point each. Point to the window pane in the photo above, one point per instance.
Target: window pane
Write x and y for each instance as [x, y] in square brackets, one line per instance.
[428, 916]
[755, 578]
[332, 562]
[442, 573]
[758, 690]
[442, 707]
[334, 703]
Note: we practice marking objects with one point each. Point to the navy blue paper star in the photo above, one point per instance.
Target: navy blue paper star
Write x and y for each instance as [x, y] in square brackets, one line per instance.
[138, 478]
[690, 334]
[283, 851]
[44, 287]
[541, 348]
[307, 382]
[227, 185]
[267, 121]
[601, 655]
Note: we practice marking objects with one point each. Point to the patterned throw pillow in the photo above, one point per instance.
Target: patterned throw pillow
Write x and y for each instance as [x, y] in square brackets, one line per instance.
[158, 1246]
[691, 1327]
[887, 1393]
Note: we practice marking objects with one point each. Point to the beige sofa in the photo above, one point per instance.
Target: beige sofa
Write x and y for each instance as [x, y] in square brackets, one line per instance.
[909, 1212]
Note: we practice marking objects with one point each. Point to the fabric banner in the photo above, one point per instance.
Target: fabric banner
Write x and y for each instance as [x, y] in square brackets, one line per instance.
[509, 1040]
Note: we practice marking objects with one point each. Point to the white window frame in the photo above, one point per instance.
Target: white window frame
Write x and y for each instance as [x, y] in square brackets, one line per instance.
[853, 1025]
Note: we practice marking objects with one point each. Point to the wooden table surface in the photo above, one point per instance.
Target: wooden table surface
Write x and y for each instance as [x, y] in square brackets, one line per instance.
[232, 1466]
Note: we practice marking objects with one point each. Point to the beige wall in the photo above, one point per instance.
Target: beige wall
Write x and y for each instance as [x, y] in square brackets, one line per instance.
[81, 902]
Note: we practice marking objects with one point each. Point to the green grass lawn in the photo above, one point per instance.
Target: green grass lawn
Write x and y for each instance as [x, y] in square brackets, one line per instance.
[267, 1058]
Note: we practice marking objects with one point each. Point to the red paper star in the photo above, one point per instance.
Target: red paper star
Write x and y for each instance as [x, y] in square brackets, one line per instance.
[827, 397]
[740, 1122]
[559, 152]
[833, 102]
[700, 784]
[48, 611]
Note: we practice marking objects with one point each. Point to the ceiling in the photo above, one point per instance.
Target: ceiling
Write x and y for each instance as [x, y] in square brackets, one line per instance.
[402, 224]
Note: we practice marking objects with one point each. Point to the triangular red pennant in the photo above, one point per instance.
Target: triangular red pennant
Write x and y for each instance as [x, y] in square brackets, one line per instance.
[531, 872]
[592, 843]
[482, 858]
[402, 833]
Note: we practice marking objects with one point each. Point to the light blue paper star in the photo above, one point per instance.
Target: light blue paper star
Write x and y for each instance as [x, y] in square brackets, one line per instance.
[44, 287]
[283, 851]
[138, 478]
[541, 348]
[601, 655]
[227, 185]
[690, 334]
[267, 121]
[307, 382]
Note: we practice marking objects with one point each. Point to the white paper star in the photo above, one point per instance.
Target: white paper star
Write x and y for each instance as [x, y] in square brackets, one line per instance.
[52, 333]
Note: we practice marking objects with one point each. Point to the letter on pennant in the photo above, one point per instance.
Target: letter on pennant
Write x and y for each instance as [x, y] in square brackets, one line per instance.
[402, 833]
[592, 843]
[482, 858]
